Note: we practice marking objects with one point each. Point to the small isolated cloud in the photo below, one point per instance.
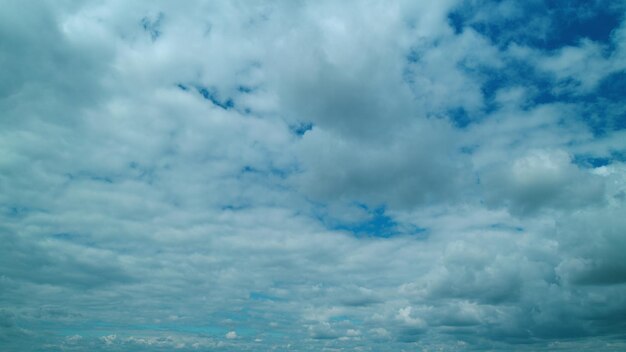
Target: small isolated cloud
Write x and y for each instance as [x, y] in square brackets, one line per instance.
[231, 335]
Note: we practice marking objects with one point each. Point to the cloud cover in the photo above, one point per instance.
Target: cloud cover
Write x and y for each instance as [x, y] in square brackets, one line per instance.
[312, 176]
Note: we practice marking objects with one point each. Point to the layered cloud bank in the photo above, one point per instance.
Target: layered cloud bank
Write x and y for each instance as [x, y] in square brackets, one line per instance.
[306, 176]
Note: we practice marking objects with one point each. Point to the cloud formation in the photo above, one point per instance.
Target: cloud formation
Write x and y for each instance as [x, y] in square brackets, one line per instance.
[312, 176]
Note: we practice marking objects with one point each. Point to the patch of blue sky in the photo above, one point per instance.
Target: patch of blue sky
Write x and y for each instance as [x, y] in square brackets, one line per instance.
[413, 56]
[602, 109]
[568, 22]
[517, 74]
[601, 120]
[460, 117]
[378, 225]
[577, 19]
[587, 161]
[275, 172]
[610, 98]
[153, 25]
[213, 96]
[245, 89]
[613, 87]
[301, 128]
[594, 161]
[248, 169]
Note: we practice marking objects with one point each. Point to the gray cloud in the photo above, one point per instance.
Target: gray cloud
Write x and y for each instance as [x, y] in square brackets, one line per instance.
[542, 179]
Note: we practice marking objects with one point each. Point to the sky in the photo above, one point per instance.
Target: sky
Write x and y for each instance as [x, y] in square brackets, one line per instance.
[313, 175]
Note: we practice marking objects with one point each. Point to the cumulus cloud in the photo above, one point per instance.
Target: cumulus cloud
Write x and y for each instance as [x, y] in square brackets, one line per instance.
[312, 176]
[542, 179]
[417, 167]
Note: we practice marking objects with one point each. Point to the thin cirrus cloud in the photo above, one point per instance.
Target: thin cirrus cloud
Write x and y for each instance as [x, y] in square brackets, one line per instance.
[312, 176]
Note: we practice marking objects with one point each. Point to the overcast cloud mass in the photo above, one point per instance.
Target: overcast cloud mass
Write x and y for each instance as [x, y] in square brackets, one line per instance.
[313, 175]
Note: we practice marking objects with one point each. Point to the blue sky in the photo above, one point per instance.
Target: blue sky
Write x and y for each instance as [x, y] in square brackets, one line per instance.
[313, 176]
